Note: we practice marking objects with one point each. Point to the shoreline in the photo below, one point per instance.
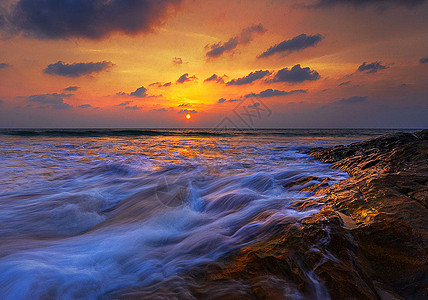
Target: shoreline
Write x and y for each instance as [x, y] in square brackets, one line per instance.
[363, 237]
[369, 239]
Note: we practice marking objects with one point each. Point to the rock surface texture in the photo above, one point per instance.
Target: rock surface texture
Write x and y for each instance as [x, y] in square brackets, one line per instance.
[384, 207]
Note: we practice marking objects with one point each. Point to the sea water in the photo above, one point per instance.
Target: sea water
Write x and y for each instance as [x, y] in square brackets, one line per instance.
[85, 214]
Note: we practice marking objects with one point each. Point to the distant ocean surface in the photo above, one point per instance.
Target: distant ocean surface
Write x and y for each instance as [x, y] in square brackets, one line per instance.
[352, 134]
[95, 213]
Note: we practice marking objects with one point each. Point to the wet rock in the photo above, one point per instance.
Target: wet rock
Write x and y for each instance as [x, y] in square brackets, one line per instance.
[386, 197]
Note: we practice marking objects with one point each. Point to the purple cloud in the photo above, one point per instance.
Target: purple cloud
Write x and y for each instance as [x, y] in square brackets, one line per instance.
[253, 76]
[297, 43]
[77, 69]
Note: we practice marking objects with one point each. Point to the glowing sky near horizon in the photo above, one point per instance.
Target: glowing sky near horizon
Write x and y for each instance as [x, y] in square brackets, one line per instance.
[150, 63]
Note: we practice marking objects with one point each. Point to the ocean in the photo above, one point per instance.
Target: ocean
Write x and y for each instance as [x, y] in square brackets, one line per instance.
[94, 213]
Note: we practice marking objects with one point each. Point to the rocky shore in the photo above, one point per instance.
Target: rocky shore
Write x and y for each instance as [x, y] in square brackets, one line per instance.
[383, 206]
[369, 239]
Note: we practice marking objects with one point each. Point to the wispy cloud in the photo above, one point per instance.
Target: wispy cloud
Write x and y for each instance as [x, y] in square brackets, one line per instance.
[160, 84]
[71, 89]
[177, 61]
[371, 67]
[77, 69]
[222, 100]
[187, 111]
[85, 106]
[345, 83]
[135, 107]
[274, 93]
[297, 43]
[253, 76]
[352, 100]
[125, 103]
[244, 38]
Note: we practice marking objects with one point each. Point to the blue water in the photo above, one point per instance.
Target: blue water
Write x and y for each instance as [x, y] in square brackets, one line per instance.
[86, 214]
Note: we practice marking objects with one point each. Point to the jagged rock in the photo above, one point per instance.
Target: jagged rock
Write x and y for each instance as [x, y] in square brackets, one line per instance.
[386, 197]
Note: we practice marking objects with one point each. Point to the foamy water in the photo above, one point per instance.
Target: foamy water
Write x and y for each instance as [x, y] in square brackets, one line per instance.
[90, 215]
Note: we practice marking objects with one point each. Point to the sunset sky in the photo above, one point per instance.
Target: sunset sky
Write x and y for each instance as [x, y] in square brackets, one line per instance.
[149, 63]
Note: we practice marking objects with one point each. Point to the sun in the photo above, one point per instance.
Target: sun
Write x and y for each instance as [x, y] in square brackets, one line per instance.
[188, 116]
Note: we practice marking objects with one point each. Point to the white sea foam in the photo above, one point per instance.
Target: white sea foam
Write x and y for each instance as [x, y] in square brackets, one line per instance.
[109, 214]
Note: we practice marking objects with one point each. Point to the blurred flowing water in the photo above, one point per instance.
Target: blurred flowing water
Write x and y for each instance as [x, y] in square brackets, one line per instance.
[86, 214]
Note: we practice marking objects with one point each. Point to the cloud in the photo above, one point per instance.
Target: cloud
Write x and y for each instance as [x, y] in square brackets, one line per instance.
[352, 100]
[77, 69]
[296, 74]
[85, 106]
[297, 43]
[372, 67]
[360, 3]
[54, 100]
[185, 77]
[219, 48]
[123, 103]
[185, 105]
[247, 33]
[253, 76]
[264, 94]
[1, 101]
[423, 60]
[135, 107]
[160, 109]
[3, 65]
[244, 38]
[222, 100]
[274, 93]
[186, 111]
[177, 61]
[216, 78]
[95, 19]
[345, 83]
[256, 104]
[160, 84]
[140, 92]
[71, 88]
